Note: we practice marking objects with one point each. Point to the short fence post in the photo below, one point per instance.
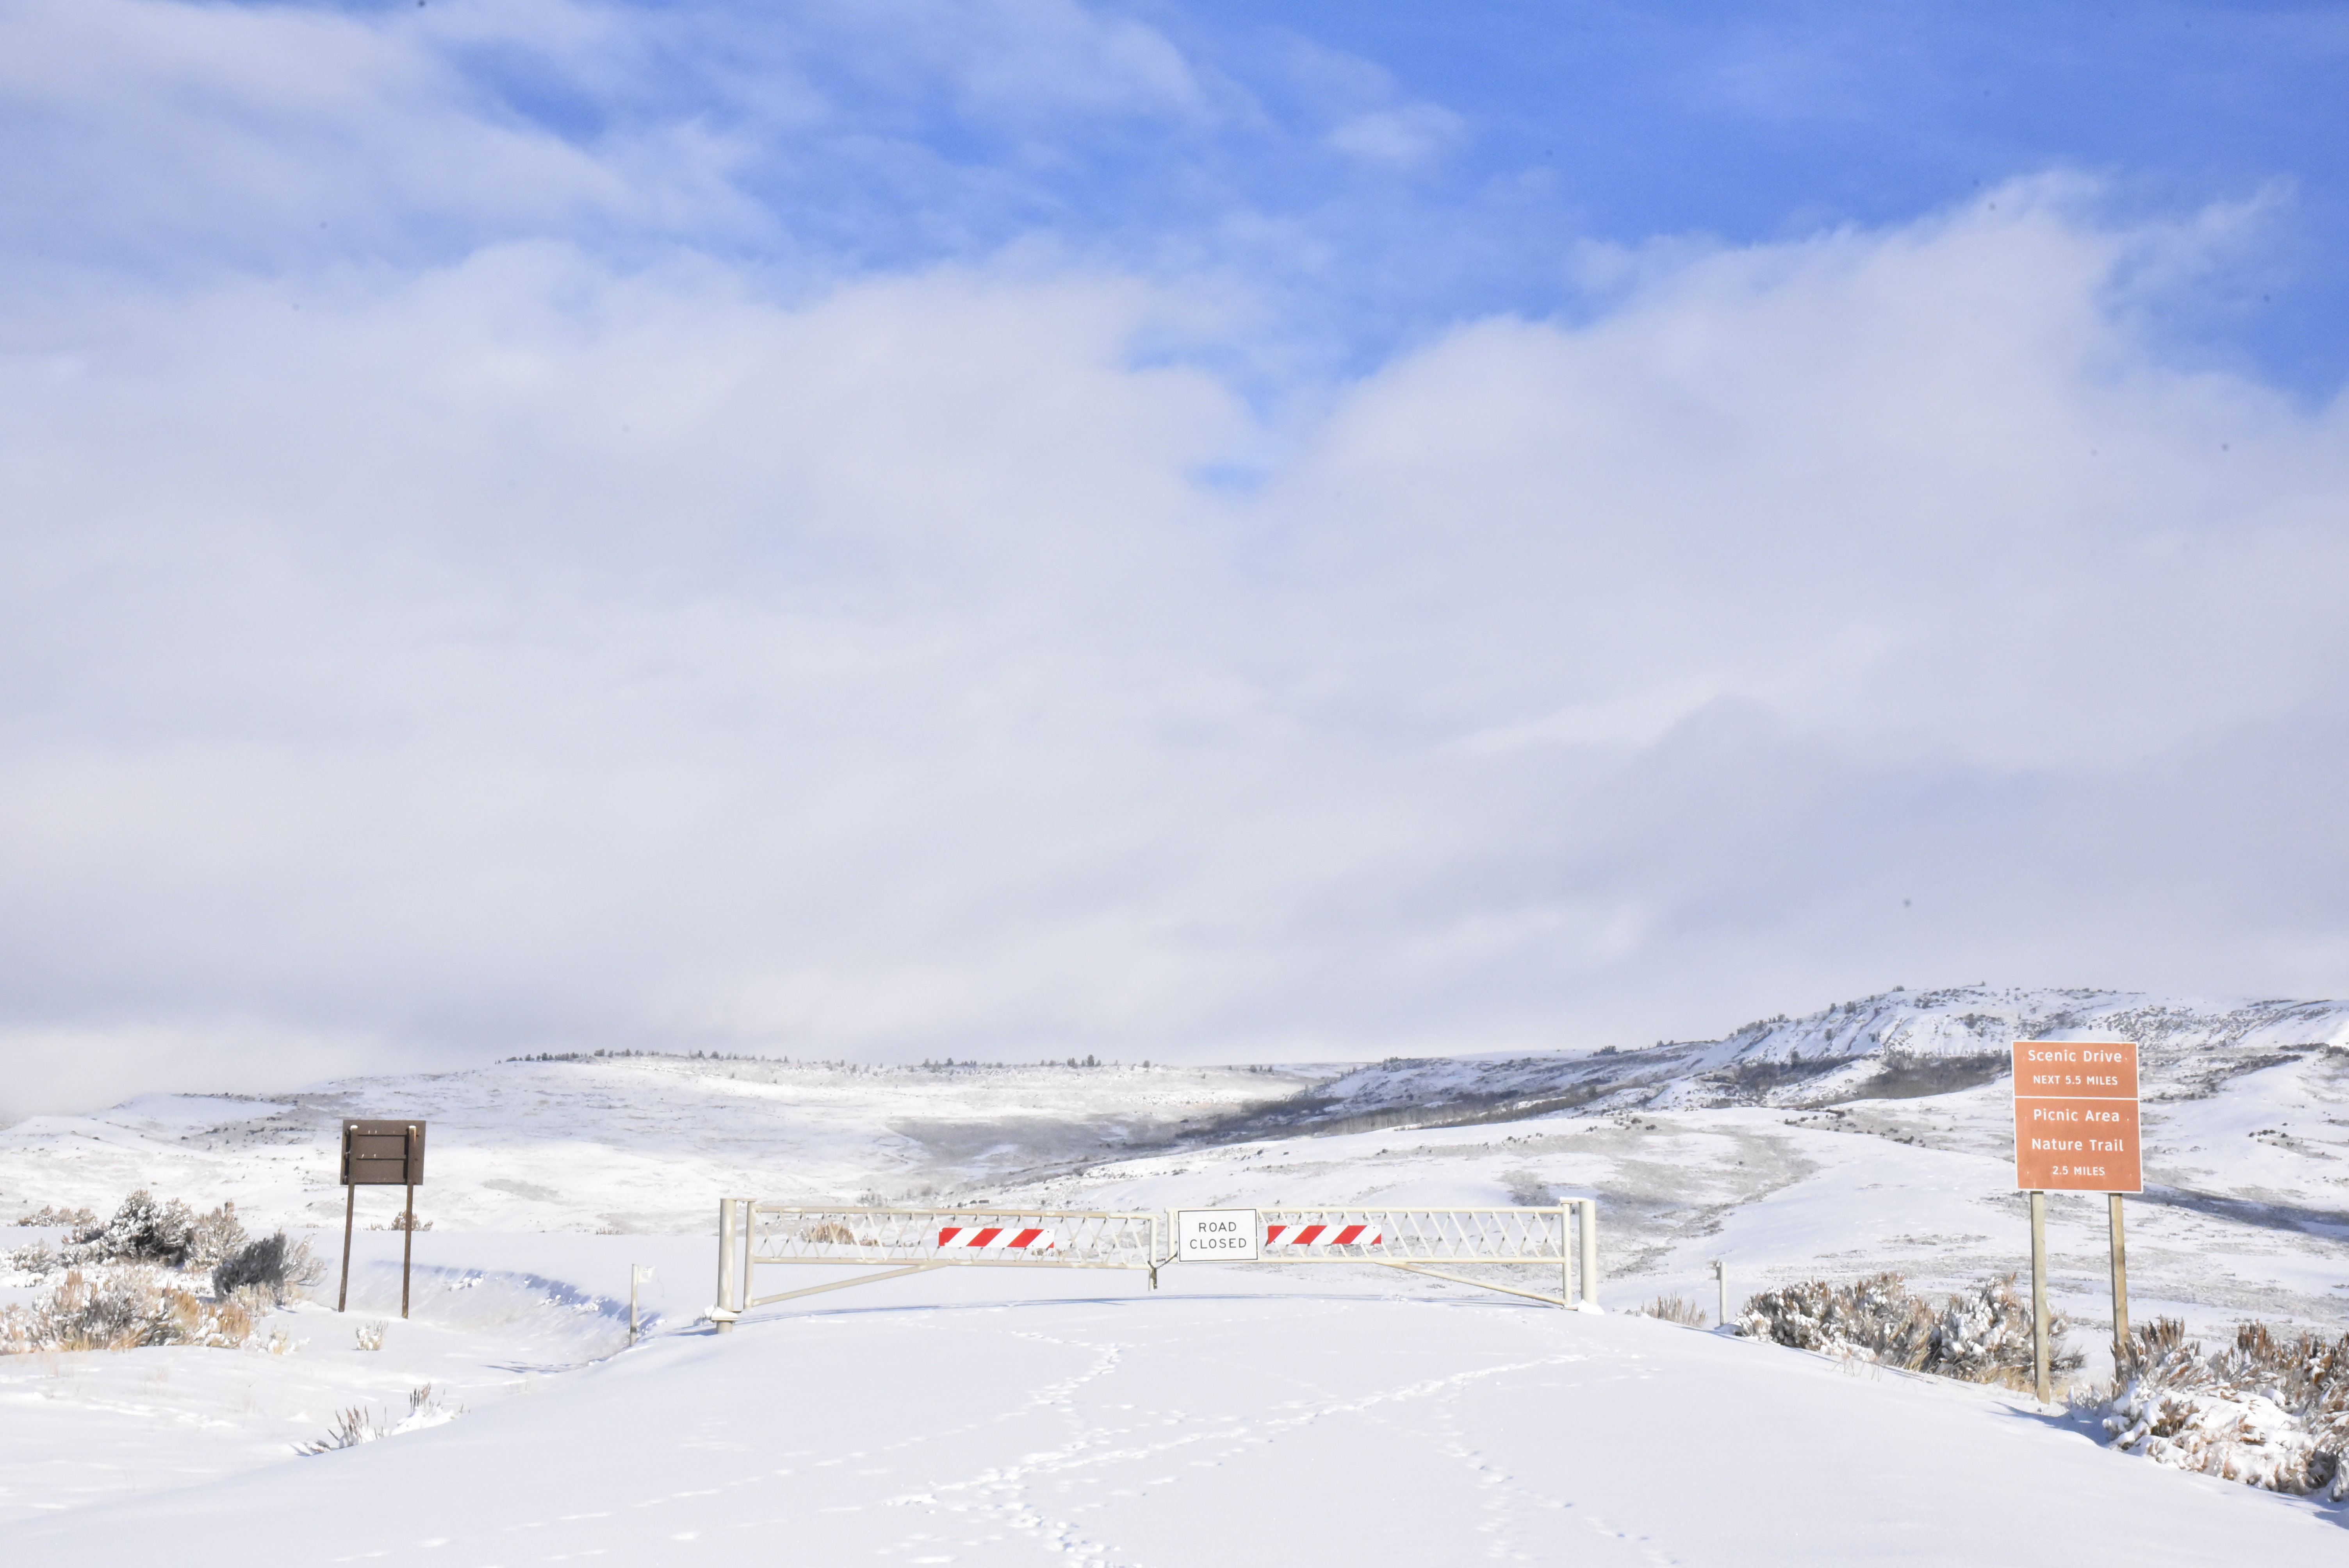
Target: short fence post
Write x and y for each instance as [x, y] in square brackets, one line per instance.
[1565, 1258]
[1590, 1207]
[1721, 1279]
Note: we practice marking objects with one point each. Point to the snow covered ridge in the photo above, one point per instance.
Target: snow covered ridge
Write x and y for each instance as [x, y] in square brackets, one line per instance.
[647, 1144]
[1898, 1045]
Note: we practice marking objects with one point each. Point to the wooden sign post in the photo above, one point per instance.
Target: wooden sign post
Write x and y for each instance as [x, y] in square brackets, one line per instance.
[382, 1154]
[2076, 1131]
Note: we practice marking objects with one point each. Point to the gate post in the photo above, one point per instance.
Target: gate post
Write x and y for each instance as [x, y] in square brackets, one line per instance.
[749, 1247]
[724, 1313]
[1589, 1228]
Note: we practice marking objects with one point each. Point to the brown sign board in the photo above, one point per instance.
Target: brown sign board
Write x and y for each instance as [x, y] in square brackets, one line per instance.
[383, 1153]
[2083, 1070]
[2075, 1117]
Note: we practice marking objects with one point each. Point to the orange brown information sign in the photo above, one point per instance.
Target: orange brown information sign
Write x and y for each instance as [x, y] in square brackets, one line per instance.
[2076, 1123]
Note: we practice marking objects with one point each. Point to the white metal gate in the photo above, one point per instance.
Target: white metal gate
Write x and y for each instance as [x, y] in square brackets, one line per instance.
[1438, 1240]
[752, 1235]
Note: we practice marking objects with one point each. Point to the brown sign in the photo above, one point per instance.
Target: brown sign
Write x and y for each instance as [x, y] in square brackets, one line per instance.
[383, 1153]
[2075, 1117]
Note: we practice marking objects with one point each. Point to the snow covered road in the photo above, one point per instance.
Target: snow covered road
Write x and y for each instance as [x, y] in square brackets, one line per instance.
[1229, 1419]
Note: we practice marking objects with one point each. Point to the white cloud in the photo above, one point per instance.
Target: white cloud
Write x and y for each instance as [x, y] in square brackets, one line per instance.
[530, 653]
[1403, 137]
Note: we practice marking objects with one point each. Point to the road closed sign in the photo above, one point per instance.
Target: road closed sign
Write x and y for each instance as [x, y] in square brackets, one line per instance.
[1208, 1235]
[2075, 1117]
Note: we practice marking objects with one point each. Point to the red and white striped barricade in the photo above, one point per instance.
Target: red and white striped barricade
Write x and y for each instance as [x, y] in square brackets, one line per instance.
[1434, 1242]
[752, 1235]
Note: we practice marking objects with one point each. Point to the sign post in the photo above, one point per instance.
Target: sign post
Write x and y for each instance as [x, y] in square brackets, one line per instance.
[2120, 1290]
[382, 1154]
[2076, 1131]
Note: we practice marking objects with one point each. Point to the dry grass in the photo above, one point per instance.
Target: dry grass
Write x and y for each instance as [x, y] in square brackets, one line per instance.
[358, 1424]
[1675, 1309]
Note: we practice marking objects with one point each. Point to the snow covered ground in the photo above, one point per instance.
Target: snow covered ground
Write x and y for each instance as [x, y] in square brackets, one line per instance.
[1228, 1418]
[1248, 1414]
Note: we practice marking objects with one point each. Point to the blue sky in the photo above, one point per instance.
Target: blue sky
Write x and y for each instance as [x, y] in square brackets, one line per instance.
[889, 137]
[997, 529]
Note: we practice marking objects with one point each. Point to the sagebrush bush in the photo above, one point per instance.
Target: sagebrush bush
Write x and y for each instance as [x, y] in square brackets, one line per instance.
[142, 1231]
[272, 1265]
[122, 1285]
[215, 1237]
[1981, 1334]
[120, 1308]
[2268, 1411]
[146, 1230]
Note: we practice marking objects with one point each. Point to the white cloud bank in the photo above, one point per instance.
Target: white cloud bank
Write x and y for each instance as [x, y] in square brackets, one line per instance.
[527, 654]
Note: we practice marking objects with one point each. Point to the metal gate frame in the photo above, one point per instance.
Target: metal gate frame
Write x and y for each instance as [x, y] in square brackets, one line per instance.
[1083, 1239]
[1453, 1235]
[1131, 1240]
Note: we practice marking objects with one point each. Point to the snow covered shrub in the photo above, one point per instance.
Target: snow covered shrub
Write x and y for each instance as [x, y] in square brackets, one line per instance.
[214, 1237]
[1982, 1334]
[1674, 1309]
[68, 1219]
[1874, 1319]
[272, 1266]
[142, 1231]
[370, 1336]
[2269, 1412]
[113, 1310]
[34, 1259]
[119, 1308]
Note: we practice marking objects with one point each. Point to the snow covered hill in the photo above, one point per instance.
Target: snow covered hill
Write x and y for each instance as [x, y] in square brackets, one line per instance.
[641, 1143]
[1884, 1120]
